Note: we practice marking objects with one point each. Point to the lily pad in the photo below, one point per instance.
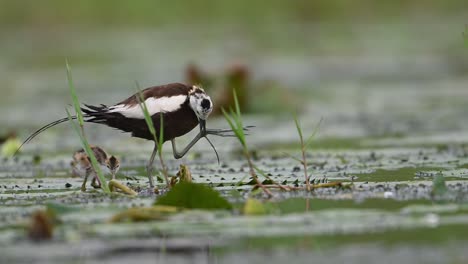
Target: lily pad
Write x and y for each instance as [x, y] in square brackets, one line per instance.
[194, 196]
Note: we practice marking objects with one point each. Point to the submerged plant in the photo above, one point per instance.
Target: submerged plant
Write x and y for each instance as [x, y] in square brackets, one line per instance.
[80, 131]
[234, 118]
[160, 140]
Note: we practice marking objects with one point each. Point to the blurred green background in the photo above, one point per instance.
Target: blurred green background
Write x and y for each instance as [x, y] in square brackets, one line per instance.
[52, 13]
[370, 68]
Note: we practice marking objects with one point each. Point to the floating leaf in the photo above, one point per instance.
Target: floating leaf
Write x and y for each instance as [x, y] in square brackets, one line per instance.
[439, 188]
[140, 214]
[57, 209]
[10, 146]
[293, 205]
[116, 185]
[254, 207]
[193, 196]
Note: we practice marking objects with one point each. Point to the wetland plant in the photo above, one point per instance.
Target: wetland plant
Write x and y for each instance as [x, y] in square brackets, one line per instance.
[160, 140]
[234, 118]
[80, 131]
[304, 146]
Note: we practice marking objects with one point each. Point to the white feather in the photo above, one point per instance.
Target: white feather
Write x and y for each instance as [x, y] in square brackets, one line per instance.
[154, 105]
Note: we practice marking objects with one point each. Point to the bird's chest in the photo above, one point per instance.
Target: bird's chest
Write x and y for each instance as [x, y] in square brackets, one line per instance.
[79, 169]
[176, 123]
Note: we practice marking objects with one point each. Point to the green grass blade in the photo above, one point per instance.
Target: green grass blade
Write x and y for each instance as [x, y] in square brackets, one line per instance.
[298, 127]
[230, 118]
[149, 123]
[235, 120]
[238, 113]
[294, 158]
[311, 138]
[76, 102]
[261, 172]
[144, 109]
[241, 181]
[89, 152]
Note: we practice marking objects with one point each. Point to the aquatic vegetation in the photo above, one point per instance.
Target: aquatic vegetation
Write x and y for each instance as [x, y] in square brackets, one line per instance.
[183, 175]
[254, 207]
[190, 195]
[140, 214]
[10, 146]
[439, 187]
[80, 131]
[304, 146]
[160, 141]
[114, 184]
[234, 118]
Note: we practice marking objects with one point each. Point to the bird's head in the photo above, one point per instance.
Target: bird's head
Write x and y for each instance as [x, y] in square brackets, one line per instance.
[200, 102]
[113, 165]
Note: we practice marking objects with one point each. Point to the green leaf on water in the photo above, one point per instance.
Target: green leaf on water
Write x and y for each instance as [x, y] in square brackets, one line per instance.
[191, 195]
[59, 209]
[10, 146]
[293, 205]
[439, 188]
[254, 207]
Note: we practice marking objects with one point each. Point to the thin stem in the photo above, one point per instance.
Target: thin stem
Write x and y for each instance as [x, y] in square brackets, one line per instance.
[314, 186]
[304, 162]
[254, 175]
[284, 188]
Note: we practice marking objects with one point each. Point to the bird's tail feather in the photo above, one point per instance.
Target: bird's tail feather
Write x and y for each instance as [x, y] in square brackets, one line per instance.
[92, 113]
[42, 129]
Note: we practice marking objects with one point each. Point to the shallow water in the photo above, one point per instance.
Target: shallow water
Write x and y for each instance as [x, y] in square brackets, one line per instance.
[394, 118]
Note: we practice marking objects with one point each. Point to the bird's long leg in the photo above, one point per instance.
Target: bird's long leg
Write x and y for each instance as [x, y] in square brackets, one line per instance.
[178, 155]
[83, 186]
[95, 182]
[149, 167]
[203, 133]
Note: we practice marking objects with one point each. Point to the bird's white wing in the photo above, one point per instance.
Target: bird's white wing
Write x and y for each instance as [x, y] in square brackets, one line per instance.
[154, 105]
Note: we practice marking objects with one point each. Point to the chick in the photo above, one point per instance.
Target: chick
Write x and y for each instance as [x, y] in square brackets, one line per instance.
[81, 165]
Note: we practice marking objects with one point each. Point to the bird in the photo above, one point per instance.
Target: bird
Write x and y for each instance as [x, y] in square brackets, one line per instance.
[182, 107]
[82, 166]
